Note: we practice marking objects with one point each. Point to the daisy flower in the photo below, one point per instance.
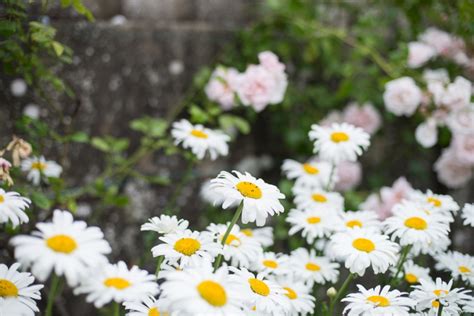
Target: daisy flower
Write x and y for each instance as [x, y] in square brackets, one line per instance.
[361, 248]
[415, 226]
[200, 139]
[63, 246]
[259, 198]
[361, 219]
[468, 214]
[165, 224]
[12, 208]
[339, 142]
[39, 166]
[458, 264]
[187, 246]
[311, 198]
[313, 223]
[264, 296]
[429, 295]
[17, 294]
[272, 263]
[413, 273]
[378, 301]
[239, 249]
[264, 235]
[311, 173]
[311, 269]
[148, 306]
[300, 299]
[437, 202]
[200, 291]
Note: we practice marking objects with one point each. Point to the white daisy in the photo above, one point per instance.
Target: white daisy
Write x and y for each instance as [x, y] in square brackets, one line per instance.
[200, 139]
[12, 208]
[429, 295]
[378, 302]
[311, 198]
[165, 224]
[200, 291]
[239, 249]
[115, 282]
[17, 295]
[468, 214]
[361, 219]
[265, 296]
[66, 246]
[413, 273]
[415, 226]
[311, 173]
[264, 235]
[259, 198]
[458, 264]
[339, 142]
[148, 306]
[313, 223]
[187, 246]
[311, 269]
[39, 166]
[361, 248]
[300, 299]
[437, 202]
[271, 263]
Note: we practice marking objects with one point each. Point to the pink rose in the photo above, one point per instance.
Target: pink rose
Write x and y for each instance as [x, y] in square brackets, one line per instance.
[419, 54]
[444, 43]
[402, 96]
[457, 94]
[349, 175]
[366, 117]
[451, 172]
[270, 61]
[463, 146]
[426, 134]
[462, 120]
[221, 87]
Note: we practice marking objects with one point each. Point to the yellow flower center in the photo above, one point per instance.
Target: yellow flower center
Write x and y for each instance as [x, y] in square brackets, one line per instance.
[153, 312]
[363, 244]
[411, 278]
[40, 166]
[8, 289]
[354, 223]
[313, 220]
[118, 283]
[464, 269]
[290, 293]
[187, 246]
[232, 240]
[435, 304]
[439, 292]
[259, 287]
[213, 293]
[272, 264]
[319, 198]
[2, 199]
[248, 189]
[199, 134]
[379, 300]
[247, 232]
[417, 223]
[61, 243]
[338, 137]
[436, 202]
[312, 267]
[310, 169]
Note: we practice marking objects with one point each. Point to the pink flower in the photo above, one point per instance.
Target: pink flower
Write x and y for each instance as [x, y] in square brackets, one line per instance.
[462, 120]
[451, 172]
[270, 61]
[402, 96]
[419, 53]
[366, 117]
[349, 175]
[444, 43]
[5, 165]
[333, 117]
[426, 134]
[457, 94]
[221, 87]
[463, 146]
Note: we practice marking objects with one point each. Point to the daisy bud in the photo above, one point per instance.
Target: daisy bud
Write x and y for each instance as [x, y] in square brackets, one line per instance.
[331, 292]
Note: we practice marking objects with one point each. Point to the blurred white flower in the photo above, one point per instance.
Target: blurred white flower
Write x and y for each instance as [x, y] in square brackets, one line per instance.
[426, 134]
[402, 96]
[419, 54]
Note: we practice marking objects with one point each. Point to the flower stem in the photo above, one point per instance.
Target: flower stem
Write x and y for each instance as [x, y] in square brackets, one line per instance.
[53, 292]
[227, 232]
[400, 263]
[340, 293]
[116, 309]
[158, 265]
[331, 174]
[440, 309]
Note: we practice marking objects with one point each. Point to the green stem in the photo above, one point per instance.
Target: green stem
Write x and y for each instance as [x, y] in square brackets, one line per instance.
[158, 265]
[116, 309]
[440, 309]
[227, 232]
[331, 174]
[341, 292]
[53, 292]
[179, 187]
[400, 263]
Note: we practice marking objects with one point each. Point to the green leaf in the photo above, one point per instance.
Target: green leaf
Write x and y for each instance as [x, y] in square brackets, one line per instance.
[150, 126]
[41, 200]
[198, 115]
[228, 122]
[100, 144]
[79, 137]
[58, 48]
